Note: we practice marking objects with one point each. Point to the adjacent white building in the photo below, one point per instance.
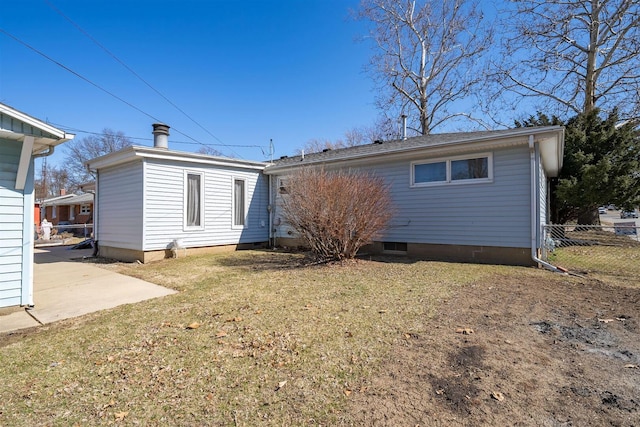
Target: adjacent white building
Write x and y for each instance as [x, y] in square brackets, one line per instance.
[151, 201]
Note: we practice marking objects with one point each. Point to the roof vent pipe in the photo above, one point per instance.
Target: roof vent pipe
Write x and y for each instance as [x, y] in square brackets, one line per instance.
[404, 126]
[161, 135]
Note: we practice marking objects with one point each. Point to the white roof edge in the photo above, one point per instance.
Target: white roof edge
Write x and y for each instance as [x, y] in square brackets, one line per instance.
[133, 152]
[552, 153]
[32, 121]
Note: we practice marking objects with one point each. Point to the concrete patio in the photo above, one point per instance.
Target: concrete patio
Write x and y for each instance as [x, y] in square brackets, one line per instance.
[66, 288]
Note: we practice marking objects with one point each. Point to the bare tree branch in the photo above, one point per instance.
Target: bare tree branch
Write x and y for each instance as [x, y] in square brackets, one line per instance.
[425, 56]
[572, 55]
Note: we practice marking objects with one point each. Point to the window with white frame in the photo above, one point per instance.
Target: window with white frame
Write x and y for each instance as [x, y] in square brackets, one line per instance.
[194, 201]
[454, 170]
[85, 209]
[239, 205]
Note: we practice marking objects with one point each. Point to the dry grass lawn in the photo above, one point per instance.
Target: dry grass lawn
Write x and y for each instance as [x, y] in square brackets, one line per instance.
[260, 338]
[271, 340]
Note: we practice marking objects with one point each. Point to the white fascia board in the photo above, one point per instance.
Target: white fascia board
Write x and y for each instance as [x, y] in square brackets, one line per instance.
[41, 143]
[32, 121]
[552, 153]
[137, 152]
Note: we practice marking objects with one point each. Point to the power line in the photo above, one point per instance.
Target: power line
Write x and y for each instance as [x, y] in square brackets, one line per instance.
[140, 138]
[97, 86]
[134, 73]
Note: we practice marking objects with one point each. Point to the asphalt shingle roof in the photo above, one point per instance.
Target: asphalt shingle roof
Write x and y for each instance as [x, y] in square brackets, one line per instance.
[418, 142]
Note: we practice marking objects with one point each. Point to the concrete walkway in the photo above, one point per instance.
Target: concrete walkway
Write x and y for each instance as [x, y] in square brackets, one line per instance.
[64, 288]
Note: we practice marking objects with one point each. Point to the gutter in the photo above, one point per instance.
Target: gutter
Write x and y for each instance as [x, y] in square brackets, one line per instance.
[47, 153]
[534, 210]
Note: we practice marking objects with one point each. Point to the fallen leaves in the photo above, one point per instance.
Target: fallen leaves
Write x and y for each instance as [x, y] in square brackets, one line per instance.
[194, 325]
[497, 396]
[120, 416]
[464, 331]
[280, 385]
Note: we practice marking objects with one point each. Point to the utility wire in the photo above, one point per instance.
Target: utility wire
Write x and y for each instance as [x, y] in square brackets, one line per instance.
[97, 86]
[134, 73]
[140, 138]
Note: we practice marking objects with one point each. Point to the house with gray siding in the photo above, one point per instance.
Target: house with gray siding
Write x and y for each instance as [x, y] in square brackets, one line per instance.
[152, 202]
[22, 139]
[473, 196]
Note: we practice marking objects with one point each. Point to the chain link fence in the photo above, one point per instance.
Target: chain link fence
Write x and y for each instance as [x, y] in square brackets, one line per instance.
[606, 252]
[62, 231]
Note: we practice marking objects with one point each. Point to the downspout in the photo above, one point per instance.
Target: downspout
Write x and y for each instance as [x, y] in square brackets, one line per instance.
[270, 212]
[96, 247]
[535, 210]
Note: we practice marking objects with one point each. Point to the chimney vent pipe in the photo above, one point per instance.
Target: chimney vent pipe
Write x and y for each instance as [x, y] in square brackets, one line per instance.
[161, 135]
[404, 126]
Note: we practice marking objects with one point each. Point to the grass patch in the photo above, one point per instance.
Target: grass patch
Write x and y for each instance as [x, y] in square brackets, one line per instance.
[603, 255]
[271, 342]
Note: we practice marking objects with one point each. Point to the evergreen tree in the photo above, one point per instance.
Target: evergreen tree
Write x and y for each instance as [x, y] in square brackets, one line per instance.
[601, 166]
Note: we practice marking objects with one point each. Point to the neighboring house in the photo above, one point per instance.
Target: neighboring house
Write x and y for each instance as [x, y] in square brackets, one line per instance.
[152, 200]
[22, 138]
[69, 209]
[476, 196]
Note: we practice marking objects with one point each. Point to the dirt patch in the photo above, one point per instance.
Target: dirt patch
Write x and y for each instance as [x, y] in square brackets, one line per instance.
[565, 352]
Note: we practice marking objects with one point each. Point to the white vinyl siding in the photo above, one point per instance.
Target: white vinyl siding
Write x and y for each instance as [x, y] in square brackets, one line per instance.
[120, 206]
[543, 199]
[164, 205]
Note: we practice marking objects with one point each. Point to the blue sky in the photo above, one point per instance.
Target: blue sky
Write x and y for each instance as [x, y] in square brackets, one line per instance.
[247, 71]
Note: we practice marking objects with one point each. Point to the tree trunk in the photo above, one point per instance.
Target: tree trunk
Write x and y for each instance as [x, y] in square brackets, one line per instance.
[589, 216]
[590, 69]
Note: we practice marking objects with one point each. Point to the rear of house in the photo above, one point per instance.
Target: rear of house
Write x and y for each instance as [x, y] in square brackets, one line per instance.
[153, 203]
[22, 138]
[477, 197]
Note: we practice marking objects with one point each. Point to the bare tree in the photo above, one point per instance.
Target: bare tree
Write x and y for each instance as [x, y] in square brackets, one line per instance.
[209, 150]
[81, 150]
[426, 57]
[336, 213]
[51, 182]
[382, 129]
[573, 55]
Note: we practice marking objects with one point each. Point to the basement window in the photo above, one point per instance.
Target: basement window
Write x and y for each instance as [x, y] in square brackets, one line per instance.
[394, 247]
